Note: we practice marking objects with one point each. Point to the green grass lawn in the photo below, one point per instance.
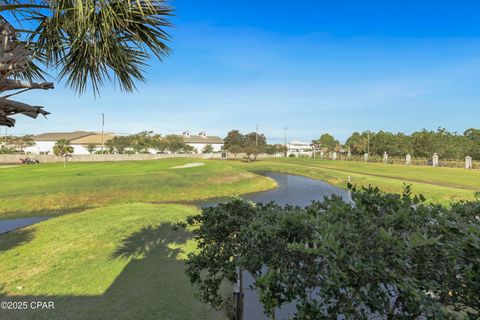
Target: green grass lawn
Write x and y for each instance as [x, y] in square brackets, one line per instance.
[439, 185]
[116, 256]
[117, 262]
[49, 189]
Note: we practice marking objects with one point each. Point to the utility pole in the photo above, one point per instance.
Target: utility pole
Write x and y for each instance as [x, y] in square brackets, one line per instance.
[256, 136]
[103, 125]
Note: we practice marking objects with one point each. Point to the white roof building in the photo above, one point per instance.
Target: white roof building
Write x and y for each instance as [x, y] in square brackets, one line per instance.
[79, 140]
[198, 142]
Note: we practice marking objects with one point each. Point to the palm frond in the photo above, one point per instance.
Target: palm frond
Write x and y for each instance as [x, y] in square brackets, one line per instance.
[90, 41]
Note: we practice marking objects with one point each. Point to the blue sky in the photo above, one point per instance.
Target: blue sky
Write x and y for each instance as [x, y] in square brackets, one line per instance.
[313, 66]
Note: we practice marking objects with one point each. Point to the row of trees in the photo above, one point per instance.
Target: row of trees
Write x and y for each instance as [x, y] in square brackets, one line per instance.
[146, 141]
[13, 144]
[252, 144]
[424, 143]
[392, 256]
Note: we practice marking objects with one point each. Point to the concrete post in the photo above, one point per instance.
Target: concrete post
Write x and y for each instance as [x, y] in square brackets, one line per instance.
[408, 159]
[385, 157]
[435, 160]
[322, 154]
[468, 162]
[365, 157]
[349, 154]
[334, 156]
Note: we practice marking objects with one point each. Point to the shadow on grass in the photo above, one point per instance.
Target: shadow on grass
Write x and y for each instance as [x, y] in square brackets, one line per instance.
[41, 213]
[151, 240]
[153, 285]
[15, 238]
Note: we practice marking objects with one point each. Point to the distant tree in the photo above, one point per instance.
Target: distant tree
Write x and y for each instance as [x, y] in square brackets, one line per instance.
[175, 144]
[255, 139]
[233, 138]
[252, 152]
[188, 148]
[207, 149]
[254, 144]
[273, 149]
[118, 144]
[62, 148]
[474, 136]
[143, 141]
[357, 143]
[326, 141]
[235, 150]
[20, 143]
[91, 148]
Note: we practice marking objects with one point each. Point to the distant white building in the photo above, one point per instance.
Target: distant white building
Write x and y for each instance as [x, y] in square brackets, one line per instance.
[198, 142]
[300, 149]
[79, 140]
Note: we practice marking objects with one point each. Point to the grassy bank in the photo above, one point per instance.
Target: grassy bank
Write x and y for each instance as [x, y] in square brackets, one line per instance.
[122, 259]
[439, 185]
[49, 189]
[117, 262]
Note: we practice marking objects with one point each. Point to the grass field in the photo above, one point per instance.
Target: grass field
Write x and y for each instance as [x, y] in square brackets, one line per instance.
[48, 189]
[439, 185]
[117, 255]
[118, 262]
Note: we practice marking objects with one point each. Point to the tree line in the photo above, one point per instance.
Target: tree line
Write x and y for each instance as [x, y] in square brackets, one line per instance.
[146, 141]
[422, 144]
[251, 144]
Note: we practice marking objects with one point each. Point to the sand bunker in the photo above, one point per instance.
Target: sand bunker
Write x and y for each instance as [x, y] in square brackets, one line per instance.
[189, 165]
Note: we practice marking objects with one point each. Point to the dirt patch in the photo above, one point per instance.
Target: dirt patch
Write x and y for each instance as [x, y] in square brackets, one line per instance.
[189, 165]
[230, 177]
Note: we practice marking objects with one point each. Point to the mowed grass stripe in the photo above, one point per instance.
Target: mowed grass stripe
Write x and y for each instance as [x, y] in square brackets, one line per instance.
[454, 177]
[47, 189]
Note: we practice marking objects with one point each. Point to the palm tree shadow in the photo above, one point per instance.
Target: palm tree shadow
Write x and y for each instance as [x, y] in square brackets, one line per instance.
[15, 238]
[152, 240]
[152, 285]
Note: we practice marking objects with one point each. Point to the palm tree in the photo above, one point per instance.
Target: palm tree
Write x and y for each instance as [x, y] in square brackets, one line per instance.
[87, 42]
[62, 148]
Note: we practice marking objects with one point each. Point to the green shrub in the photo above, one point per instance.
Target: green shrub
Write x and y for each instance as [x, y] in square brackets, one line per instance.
[392, 255]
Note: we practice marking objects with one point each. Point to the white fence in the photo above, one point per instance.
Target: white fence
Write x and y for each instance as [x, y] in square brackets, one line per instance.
[16, 158]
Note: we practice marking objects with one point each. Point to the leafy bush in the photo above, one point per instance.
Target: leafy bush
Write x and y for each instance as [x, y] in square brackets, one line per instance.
[389, 255]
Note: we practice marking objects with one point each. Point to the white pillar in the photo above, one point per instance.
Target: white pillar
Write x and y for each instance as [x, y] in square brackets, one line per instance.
[365, 157]
[408, 159]
[334, 156]
[322, 154]
[435, 160]
[468, 162]
[349, 154]
[385, 157]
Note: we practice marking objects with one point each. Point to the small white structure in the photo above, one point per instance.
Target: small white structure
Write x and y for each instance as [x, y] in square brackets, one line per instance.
[435, 160]
[322, 154]
[408, 159]
[334, 155]
[385, 157]
[468, 162]
[365, 157]
[198, 142]
[299, 148]
[79, 140]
